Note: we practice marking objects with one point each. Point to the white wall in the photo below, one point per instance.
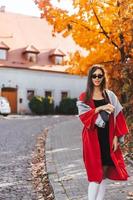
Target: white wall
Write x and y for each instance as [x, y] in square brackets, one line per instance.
[41, 81]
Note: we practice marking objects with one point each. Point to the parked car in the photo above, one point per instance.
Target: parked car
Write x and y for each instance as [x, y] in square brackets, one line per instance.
[5, 108]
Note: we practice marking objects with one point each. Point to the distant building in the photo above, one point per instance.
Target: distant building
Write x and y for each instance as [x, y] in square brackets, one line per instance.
[31, 62]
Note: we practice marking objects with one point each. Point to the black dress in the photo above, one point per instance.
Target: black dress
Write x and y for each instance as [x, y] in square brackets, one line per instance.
[103, 136]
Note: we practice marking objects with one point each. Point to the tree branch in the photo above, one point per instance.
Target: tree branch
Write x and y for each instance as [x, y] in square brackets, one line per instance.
[86, 27]
[122, 47]
[103, 31]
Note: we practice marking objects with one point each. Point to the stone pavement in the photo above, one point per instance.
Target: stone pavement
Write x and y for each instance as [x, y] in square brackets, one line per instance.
[18, 136]
[66, 169]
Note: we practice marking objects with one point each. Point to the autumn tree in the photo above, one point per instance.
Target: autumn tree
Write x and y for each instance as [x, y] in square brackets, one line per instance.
[105, 29]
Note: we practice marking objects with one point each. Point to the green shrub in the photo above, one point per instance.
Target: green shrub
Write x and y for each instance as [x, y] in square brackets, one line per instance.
[40, 105]
[36, 105]
[68, 106]
[48, 105]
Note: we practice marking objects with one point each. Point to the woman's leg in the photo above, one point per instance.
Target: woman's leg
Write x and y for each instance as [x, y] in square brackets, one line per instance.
[102, 187]
[93, 190]
[101, 191]
[105, 168]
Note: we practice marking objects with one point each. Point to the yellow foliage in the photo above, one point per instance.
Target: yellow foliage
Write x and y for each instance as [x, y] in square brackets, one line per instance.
[104, 28]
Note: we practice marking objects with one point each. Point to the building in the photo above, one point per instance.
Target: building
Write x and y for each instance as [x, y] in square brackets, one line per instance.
[32, 62]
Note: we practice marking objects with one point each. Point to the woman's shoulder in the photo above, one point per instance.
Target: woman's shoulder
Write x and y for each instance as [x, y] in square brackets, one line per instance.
[110, 92]
[112, 96]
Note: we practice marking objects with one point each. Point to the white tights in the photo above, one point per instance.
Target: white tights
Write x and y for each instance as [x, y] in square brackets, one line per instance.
[101, 191]
[96, 191]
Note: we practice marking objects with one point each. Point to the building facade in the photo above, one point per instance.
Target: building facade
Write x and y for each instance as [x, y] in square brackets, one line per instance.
[32, 62]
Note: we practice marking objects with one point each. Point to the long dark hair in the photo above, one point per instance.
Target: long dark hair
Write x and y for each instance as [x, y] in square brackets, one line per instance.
[90, 86]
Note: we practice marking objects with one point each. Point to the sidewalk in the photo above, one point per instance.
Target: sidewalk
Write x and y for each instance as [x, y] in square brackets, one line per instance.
[66, 169]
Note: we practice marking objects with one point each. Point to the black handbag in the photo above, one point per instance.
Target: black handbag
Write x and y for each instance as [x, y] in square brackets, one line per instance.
[104, 114]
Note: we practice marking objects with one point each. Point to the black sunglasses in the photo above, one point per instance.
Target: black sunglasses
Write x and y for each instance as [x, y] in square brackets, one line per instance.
[99, 76]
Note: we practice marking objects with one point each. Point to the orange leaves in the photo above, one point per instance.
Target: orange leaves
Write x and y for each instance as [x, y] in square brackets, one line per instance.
[41, 5]
[95, 25]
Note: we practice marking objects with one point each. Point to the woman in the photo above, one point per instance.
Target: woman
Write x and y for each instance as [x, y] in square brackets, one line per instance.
[104, 129]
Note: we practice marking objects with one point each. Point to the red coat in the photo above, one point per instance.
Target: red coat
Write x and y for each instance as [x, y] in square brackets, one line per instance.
[91, 148]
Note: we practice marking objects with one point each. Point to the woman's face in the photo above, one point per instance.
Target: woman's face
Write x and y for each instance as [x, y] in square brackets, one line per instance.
[97, 77]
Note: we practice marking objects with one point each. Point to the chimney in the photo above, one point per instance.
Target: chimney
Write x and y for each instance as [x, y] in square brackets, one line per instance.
[2, 8]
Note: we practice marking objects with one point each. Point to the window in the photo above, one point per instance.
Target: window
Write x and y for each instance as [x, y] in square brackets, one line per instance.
[64, 95]
[56, 56]
[30, 53]
[48, 93]
[3, 54]
[30, 94]
[31, 57]
[58, 60]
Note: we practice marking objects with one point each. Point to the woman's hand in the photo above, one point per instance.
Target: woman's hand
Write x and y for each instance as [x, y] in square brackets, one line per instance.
[108, 108]
[115, 143]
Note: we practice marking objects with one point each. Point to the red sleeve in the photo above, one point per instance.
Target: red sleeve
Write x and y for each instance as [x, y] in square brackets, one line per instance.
[121, 126]
[88, 118]
[82, 96]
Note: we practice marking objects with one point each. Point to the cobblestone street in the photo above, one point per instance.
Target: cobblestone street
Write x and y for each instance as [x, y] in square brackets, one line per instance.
[17, 141]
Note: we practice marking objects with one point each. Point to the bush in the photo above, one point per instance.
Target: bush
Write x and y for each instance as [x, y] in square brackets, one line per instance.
[68, 106]
[36, 105]
[40, 105]
[48, 105]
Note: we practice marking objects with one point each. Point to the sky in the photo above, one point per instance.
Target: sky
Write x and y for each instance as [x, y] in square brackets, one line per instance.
[28, 7]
